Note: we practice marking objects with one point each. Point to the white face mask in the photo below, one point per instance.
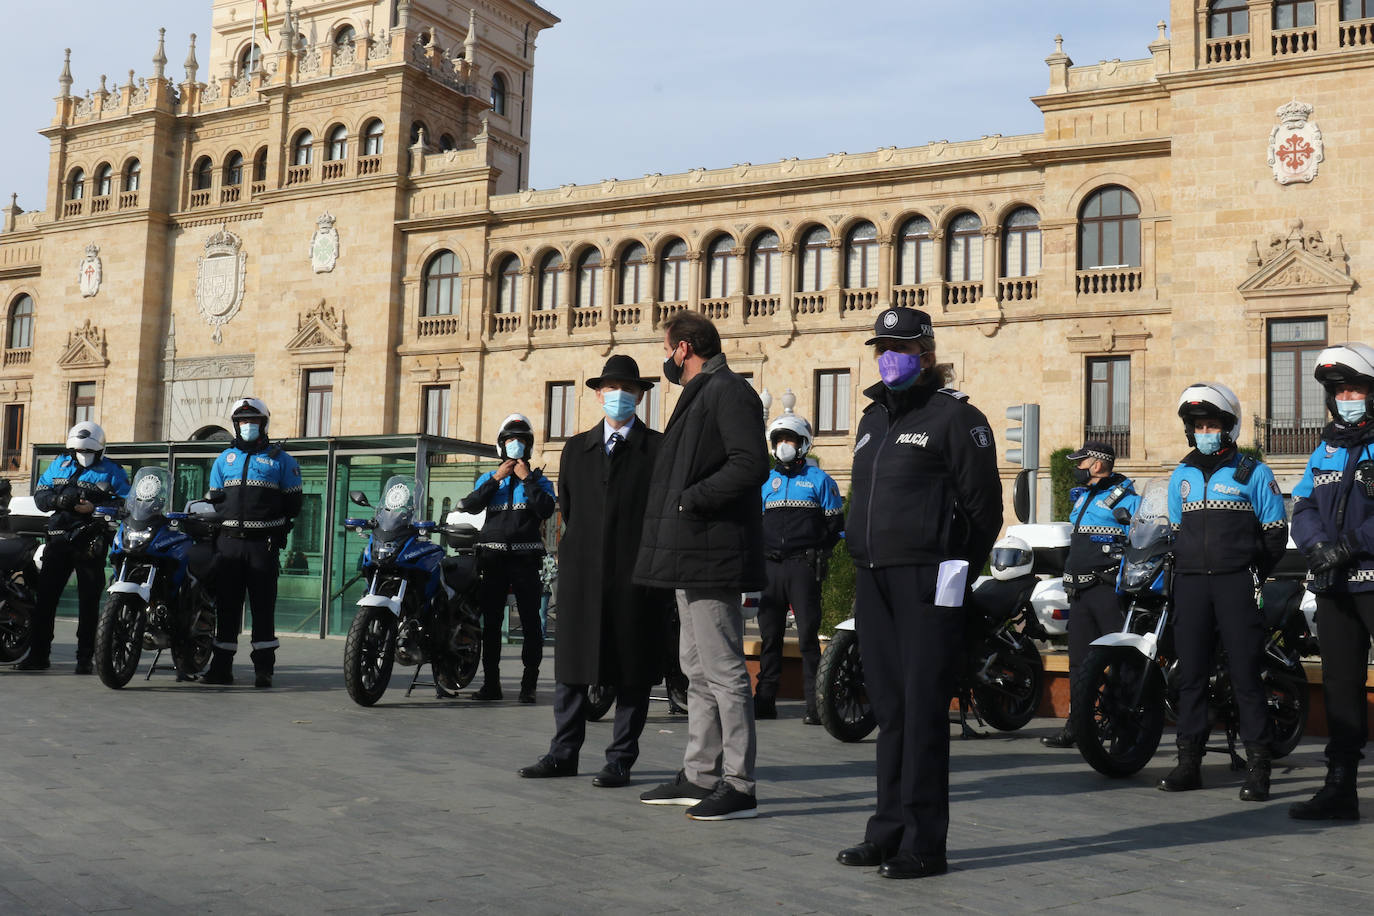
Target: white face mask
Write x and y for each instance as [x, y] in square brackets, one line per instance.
[85, 459]
[786, 452]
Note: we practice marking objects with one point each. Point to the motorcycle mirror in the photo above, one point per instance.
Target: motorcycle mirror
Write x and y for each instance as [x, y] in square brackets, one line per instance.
[358, 498]
[1020, 496]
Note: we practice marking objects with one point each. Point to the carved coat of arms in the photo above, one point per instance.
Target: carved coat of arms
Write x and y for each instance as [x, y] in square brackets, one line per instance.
[90, 272]
[324, 244]
[220, 277]
[1295, 144]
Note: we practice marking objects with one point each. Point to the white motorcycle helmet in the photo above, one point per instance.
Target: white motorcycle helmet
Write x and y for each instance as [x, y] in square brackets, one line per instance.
[86, 437]
[796, 426]
[1012, 558]
[1213, 401]
[1352, 362]
[516, 426]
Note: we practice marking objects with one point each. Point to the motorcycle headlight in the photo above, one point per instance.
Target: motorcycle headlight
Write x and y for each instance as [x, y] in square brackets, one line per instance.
[385, 550]
[135, 540]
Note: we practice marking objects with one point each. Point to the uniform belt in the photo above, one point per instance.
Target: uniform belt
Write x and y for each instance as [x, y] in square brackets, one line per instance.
[778, 557]
[240, 534]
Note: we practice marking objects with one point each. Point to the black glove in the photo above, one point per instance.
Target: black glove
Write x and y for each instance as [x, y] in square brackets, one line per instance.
[278, 539]
[67, 499]
[1329, 555]
[1325, 581]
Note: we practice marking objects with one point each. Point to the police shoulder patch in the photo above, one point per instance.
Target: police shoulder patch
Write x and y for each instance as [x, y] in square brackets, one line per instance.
[954, 393]
[230, 458]
[862, 442]
[1184, 489]
[777, 483]
[982, 436]
[1274, 487]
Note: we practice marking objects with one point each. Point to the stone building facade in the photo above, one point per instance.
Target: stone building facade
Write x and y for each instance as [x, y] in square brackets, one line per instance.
[341, 225]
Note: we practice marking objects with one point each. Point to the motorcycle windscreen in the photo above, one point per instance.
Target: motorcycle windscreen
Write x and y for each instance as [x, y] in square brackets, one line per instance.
[399, 504]
[149, 495]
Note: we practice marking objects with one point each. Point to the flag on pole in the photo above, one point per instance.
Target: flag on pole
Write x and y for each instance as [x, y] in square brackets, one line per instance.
[265, 31]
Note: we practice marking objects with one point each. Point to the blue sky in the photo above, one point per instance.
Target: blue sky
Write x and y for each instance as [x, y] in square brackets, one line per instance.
[625, 87]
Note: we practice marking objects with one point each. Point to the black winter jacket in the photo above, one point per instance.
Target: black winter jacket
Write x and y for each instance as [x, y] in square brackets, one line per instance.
[703, 527]
[925, 484]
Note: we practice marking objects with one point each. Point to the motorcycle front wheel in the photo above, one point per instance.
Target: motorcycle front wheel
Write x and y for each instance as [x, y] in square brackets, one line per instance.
[1288, 697]
[192, 648]
[16, 623]
[455, 667]
[369, 654]
[118, 639]
[841, 698]
[600, 699]
[1118, 710]
[1008, 684]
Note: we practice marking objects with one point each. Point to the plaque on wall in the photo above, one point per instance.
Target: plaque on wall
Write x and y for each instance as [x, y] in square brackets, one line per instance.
[324, 244]
[220, 276]
[1295, 144]
[90, 272]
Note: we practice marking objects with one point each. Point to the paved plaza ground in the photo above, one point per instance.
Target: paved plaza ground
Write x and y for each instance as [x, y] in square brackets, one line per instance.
[177, 798]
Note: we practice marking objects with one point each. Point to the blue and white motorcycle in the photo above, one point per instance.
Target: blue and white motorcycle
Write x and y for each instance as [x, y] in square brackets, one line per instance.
[161, 596]
[421, 605]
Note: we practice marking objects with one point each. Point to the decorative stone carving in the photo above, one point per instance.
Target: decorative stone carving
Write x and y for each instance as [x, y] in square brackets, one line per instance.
[1298, 260]
[91, 272]
[220, 276]
[240, 87]
[1295, 144]
[319, 329]
[324, 244]
[381, 47]
[212, 92]
[213, 367]
[85, 349]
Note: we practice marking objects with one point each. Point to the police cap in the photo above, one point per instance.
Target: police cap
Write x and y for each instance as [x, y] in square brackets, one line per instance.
[900, 323]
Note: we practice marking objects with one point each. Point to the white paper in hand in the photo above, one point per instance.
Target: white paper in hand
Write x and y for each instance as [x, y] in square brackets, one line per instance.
[949, 585]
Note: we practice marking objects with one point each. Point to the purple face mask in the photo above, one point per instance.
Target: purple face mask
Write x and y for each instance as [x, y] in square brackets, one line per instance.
[899, 370]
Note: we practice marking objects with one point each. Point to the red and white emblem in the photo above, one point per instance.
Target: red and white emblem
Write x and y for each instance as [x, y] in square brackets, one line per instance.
[1295, 144]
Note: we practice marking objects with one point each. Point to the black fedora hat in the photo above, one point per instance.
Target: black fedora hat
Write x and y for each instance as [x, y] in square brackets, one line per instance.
[620, 369]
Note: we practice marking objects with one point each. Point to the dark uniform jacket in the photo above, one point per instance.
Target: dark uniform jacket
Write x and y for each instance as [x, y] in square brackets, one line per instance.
[802, 511]
[102, 483]
[703, 526]
[925, 484]
[262, 489]
[1330, 483]
[515, 511]
[610, 631]
[1223, 524]
[1096, 532]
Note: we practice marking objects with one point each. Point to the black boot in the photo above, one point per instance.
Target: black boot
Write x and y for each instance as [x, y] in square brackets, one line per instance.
[1335, 801]
[527, 682]
[221, 671]
[1188, 774]
[1257, 762]
[264, 663]
[765, 707]
[1061, 738]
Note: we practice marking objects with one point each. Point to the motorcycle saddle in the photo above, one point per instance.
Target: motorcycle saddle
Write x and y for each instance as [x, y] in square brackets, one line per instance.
[14, 551]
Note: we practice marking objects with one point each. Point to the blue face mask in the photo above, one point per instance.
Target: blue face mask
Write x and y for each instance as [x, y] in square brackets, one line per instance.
[249, 432]
[1208, 443]
[1351, 411]
[619, 405]
[515, 448]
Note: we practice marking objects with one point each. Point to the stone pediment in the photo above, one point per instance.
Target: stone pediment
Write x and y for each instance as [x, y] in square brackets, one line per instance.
[1299, 263]
[320, 330]
[85, 349]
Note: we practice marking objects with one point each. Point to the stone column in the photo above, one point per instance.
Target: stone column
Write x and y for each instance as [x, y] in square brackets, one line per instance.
[696, 278]
[886, 260]
[992, 261]
[835, 251]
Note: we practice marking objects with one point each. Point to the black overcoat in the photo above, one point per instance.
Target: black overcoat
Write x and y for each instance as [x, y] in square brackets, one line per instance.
[610, 631]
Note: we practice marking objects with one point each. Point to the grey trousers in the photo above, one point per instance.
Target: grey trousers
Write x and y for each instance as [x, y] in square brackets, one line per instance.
[720, 709]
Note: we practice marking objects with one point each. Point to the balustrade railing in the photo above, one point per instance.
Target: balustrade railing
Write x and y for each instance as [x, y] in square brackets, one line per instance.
[1294, 41]
[73, 208]
[230, 195]
[506, 323]
[100, 204]
[911, 297]
[587, 316]
[369, 165]
[128, 199]
[200, 199]
[257, 188]
[336, 168]
[762, 306]
[1288, 437]
[1357, 34]
[963, 293]
[858, 300]
[1017, 289]
[1118, 437]
[19, 356]
[1228, 50]
[438, 325]
[543, 320]
[627, 316]
[1110, 281]
[719, 309]
[297, 174]
[666, 310]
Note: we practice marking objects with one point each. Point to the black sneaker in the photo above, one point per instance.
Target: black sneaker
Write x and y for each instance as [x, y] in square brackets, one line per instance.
[33, 664]
[84, 666]
[726, 803]
[488, 691]
[678, 792]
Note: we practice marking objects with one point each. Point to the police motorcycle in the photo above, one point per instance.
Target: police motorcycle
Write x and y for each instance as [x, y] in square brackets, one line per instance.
[1002, 676]
[21, 546]
[1124, 691]
[161, 597]
[420, 607]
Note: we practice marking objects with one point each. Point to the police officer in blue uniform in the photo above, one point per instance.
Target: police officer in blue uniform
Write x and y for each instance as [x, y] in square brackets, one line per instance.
[510, 550]
[803, 516]
[925, 490]
[1230, 531]
[1095, 608]
[257, 489]
[1333, 523]
[77, 481]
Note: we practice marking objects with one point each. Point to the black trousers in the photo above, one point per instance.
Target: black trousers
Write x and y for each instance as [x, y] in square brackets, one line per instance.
[246, 566]
[1093, 613]
[1207, 607]
[60, 560]
[911, 651]
[1344, 625]
[791, 582]
[570, 723]
[510, 574]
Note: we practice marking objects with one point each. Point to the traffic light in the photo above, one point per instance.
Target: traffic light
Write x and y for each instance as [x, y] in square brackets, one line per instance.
[1028, 434]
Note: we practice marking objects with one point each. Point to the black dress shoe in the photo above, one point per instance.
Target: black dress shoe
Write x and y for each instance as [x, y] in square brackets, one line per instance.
[488, 691]
[84, 666]
[865, 855]
[811, 719]
[526, 694]
[33, 664]
[910, 865]
[612, 776]
[765, 708]
[549, 766]
[1062, 738]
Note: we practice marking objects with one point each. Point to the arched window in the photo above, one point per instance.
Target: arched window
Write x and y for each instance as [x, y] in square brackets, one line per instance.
[372, 137]
[338, 143]
[418, 131]
[202, 177]
[1109, 229]
[260, 165]
[446, 143]
[916, 256]
[1357, 9]
[551, 281]
[815, 270]
[20, 335]
[965, 261]
[104, 180]
[133, 174]
[303, 148]
[861, 257]
[250, 59]
[589, 279]
[508, 285]
[498, 94]
[718, 260]
[441, 282]
[76, 185]
[344, 38]
[1021, 244]
[672, 286]
[634, 275]
[1294, 14]
[764, 263]
[1228, 17]
[233, 170]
